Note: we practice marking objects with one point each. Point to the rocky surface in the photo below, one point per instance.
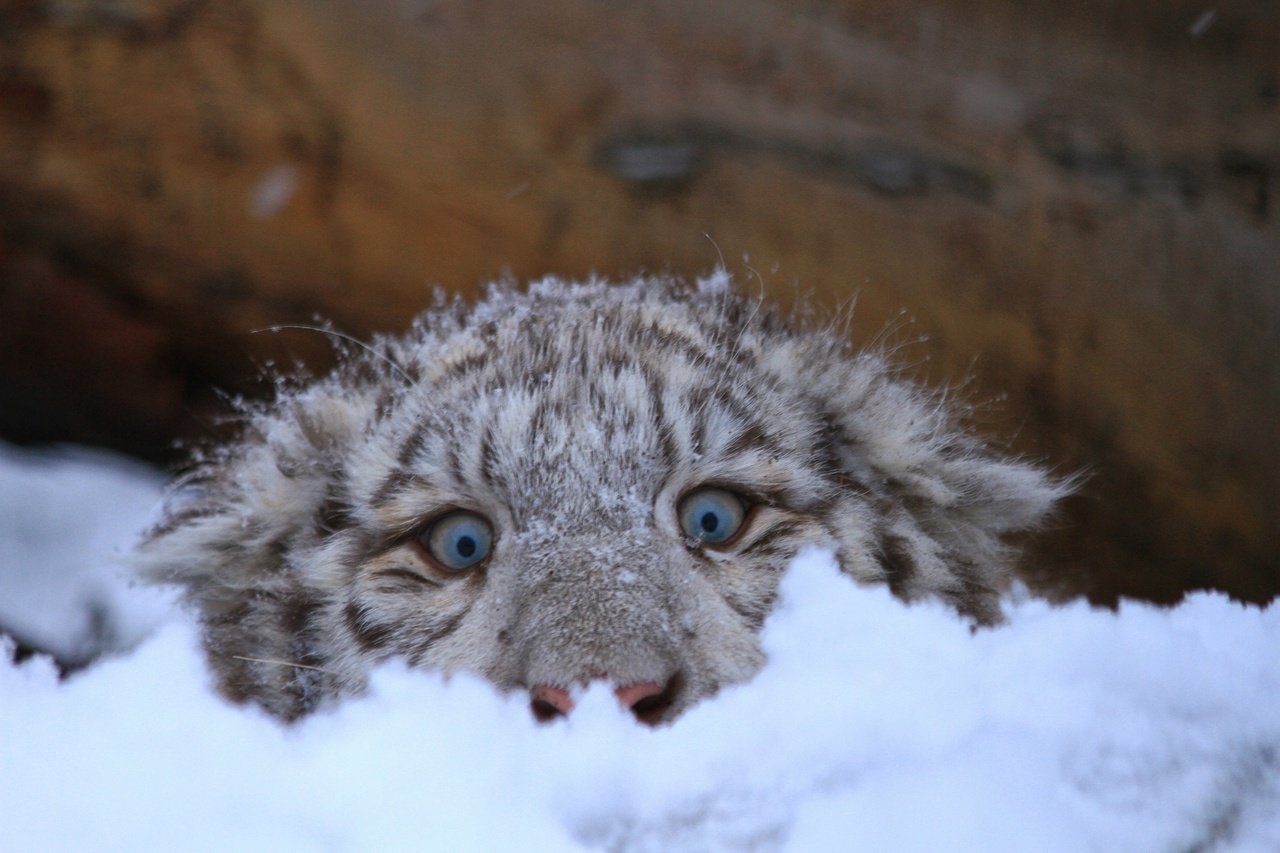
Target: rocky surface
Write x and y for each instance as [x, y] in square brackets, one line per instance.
[1074, 202]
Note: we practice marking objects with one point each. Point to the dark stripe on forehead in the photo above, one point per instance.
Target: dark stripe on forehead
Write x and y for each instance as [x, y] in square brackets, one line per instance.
[698, 432]
[453, 460]
[667, 339]
[488, 456]
[391, 486]
[752, 436]
[666, 435]
[727, 397]
[413, 443]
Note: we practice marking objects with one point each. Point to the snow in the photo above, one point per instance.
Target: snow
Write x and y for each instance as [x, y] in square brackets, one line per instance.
[874, 726]
[66, 519]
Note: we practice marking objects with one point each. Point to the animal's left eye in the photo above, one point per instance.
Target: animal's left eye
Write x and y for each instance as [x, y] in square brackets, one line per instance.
[458, 540]
[712, 515]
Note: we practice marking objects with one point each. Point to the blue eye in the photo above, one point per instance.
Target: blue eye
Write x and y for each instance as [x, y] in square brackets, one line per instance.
[459, 540]
[711, 515]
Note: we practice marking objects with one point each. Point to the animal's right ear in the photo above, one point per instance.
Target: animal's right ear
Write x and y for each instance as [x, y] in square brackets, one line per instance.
[928, 505]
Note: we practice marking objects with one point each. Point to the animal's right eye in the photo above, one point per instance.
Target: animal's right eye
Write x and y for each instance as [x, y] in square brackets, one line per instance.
[712, 516]
[459, 540]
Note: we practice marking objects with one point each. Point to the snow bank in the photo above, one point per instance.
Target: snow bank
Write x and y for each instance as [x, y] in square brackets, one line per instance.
[875, 726]
[66, 519]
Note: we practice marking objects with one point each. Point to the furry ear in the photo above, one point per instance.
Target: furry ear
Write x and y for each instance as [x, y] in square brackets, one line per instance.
[230, 538]
[934, 504]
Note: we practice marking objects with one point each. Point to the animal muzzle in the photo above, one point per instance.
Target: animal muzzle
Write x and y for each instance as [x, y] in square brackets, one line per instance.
[581, 618]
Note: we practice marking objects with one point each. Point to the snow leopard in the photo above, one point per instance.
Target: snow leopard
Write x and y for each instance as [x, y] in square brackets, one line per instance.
[572, 482]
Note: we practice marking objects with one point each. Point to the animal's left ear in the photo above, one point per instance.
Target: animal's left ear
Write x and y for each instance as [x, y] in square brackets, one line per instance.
[931, 505]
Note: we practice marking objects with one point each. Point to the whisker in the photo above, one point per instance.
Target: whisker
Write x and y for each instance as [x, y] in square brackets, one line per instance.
[339, 335]
[286, 663]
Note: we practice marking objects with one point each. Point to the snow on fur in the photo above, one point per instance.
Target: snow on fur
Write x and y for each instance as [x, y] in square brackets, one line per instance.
[1067, 728]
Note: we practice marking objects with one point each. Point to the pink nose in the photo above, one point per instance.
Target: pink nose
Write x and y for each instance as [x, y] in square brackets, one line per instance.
[646, 700]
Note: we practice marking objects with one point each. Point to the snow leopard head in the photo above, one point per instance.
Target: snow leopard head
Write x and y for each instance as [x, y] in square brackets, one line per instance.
[576, 482]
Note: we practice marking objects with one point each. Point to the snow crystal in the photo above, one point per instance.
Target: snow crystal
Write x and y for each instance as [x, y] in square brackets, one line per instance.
[274, 191]
[1202, 23]
[874, 726]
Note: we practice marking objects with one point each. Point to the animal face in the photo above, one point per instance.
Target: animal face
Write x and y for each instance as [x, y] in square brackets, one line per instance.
[574, 483]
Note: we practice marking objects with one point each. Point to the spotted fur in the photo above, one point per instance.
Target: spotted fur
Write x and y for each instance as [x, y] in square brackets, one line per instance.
[574, 417]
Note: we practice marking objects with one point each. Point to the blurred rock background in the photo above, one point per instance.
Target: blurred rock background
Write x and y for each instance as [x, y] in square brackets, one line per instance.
[1074, 202]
